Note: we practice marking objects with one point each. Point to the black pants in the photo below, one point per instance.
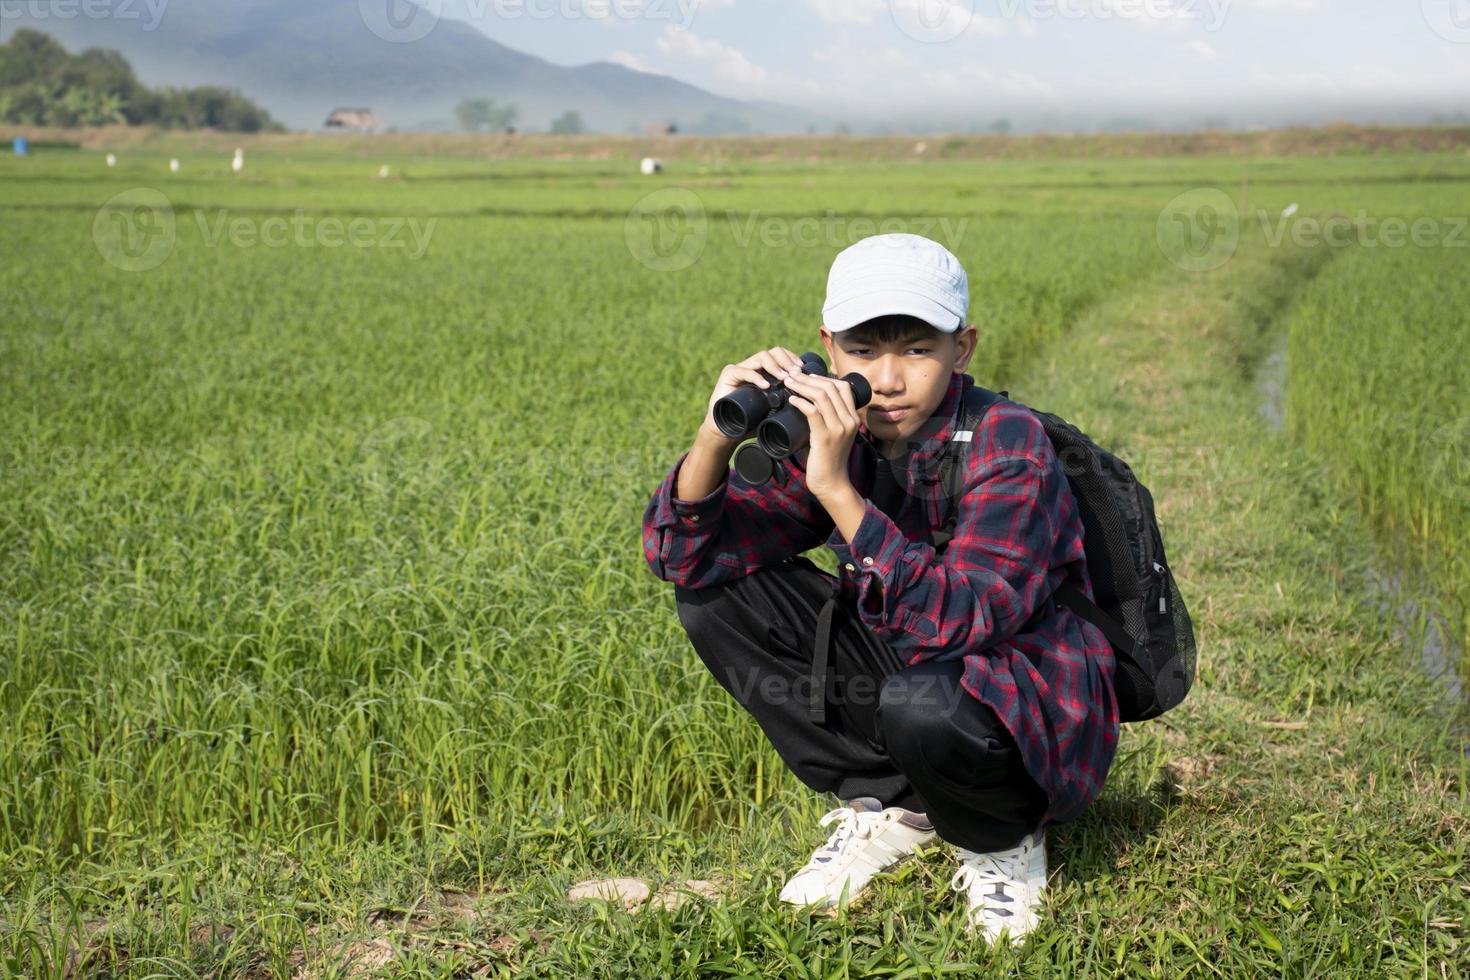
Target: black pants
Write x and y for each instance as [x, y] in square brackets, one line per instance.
[909, 736]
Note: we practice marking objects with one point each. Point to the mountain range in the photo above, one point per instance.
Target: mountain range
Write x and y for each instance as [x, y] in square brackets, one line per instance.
[302, 58]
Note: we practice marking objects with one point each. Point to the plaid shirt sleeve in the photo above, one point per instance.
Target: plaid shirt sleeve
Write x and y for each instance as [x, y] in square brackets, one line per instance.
[995, 572]
[733, 531]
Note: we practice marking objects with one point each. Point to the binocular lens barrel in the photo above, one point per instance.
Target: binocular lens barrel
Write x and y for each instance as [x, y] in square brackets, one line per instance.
[783, 433]
[787, 431]
[739, 412]
[779, 427]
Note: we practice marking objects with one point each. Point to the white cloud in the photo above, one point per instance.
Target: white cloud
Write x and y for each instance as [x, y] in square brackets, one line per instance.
[722, 60]
[862, 13]
[945, 19]
[1202, 50]
[634, 61]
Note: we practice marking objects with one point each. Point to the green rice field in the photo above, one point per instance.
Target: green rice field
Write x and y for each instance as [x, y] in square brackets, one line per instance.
[327, 647]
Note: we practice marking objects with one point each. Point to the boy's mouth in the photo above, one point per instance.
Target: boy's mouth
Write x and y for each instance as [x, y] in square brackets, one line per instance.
[889, 413]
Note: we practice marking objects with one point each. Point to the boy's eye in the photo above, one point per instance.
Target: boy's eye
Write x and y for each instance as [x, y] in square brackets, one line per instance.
[918, 350]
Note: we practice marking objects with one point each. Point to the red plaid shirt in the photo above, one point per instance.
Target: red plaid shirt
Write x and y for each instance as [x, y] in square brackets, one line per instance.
[1017, 536]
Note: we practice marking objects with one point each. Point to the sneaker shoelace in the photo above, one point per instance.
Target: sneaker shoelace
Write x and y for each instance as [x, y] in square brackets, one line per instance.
[999, 868]
[849, 828]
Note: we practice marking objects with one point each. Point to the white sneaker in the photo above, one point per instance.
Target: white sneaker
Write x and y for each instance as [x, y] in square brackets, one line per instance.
[867, 840]
[1004, 888]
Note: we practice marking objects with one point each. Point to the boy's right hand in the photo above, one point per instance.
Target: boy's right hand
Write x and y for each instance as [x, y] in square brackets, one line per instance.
[774, 362]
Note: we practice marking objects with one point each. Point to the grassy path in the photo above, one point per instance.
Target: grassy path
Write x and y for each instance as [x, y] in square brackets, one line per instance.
[1303, 815]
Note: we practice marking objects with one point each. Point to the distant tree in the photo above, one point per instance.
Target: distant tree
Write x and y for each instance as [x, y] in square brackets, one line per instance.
[484, 115]
[1001, 127]
[41, 84]
[568, 123]
[842, 129]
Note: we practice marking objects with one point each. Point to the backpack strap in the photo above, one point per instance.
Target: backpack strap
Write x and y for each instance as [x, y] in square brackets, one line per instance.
[977, 403]
[973, 406]
[1074, 599]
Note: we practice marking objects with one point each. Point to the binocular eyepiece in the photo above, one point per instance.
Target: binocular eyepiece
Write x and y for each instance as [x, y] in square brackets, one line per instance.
[778, 426]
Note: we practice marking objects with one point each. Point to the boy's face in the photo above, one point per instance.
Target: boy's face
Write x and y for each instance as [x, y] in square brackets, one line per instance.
[908, 363]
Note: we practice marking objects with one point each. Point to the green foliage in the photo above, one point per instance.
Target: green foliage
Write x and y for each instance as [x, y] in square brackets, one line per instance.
[568, 123]
[42, 85]
[1379, 371]
[484, 115]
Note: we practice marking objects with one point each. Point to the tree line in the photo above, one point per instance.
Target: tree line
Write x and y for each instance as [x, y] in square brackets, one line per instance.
[41, 84]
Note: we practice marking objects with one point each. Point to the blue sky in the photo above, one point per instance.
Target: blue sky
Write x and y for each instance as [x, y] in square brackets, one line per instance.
[1243, 60]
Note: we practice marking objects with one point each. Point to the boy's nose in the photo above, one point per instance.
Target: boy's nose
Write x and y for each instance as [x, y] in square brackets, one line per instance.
[885, 377]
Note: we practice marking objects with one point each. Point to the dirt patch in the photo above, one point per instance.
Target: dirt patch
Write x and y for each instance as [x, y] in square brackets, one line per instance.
[635, 893]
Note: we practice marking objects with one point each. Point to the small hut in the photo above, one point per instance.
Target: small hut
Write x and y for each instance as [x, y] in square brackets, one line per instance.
[660, 129]
[357, 120]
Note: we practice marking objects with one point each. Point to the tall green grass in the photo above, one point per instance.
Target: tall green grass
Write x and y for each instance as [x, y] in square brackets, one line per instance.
[1378, 375]
[325, 541]
[323, 590]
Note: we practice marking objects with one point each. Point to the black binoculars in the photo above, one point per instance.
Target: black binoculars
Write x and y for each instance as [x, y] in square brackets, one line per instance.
[778, 426]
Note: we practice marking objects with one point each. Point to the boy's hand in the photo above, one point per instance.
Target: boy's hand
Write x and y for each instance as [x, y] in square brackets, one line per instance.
[828, 406]
[774, 362]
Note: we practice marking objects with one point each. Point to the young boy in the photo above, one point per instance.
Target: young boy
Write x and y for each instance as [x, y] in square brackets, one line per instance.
[961, 701]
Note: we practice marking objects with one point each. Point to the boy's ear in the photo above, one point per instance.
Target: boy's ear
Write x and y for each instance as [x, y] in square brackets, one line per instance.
[827, 343]
[965, 340]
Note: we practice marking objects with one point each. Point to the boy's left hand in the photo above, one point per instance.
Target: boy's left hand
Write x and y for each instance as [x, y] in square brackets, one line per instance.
[828, 406]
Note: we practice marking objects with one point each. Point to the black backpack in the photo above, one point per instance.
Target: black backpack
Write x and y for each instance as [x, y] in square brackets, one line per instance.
[1138, 605]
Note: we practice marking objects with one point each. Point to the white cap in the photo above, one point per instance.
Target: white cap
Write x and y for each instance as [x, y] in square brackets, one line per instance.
[887, 274]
